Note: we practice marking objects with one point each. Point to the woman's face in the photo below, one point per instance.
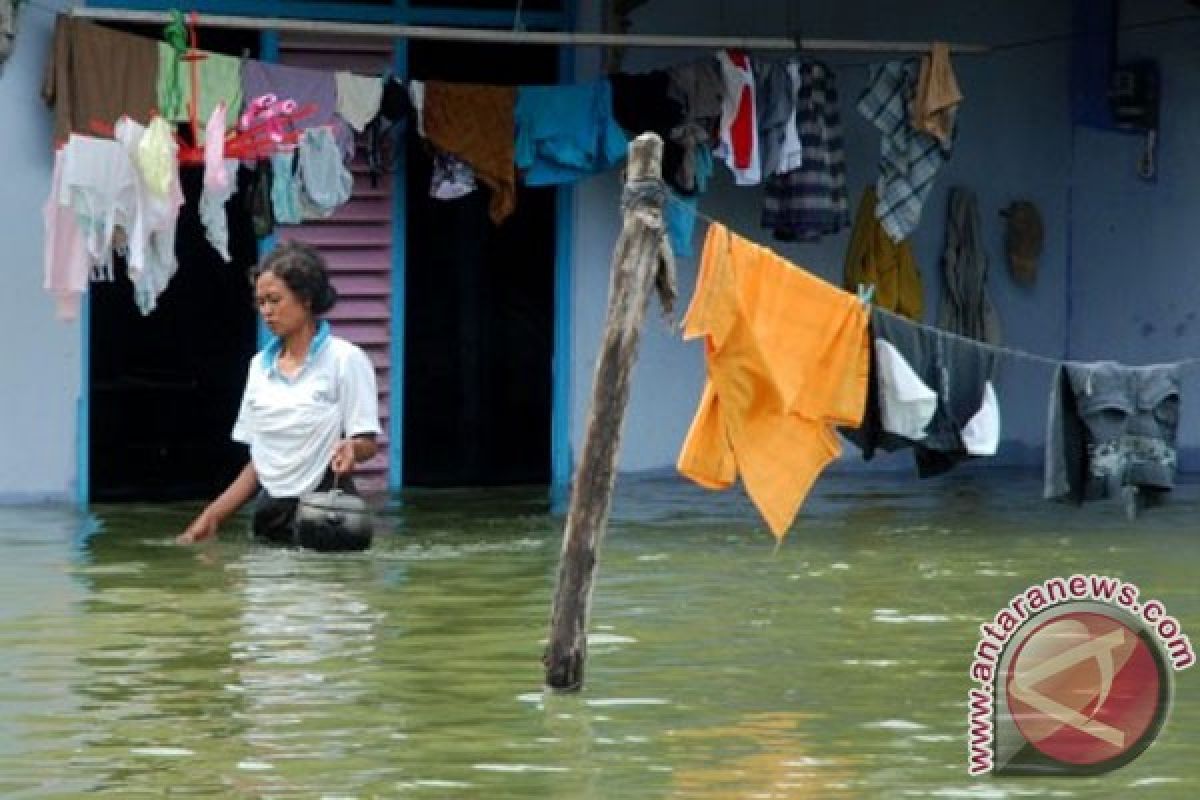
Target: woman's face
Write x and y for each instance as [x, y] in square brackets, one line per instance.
[281, 310]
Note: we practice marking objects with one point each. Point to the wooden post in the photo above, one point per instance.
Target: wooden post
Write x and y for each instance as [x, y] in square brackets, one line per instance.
[635, 268]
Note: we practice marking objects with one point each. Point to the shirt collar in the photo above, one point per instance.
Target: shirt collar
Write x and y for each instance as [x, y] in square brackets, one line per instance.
[274, 347]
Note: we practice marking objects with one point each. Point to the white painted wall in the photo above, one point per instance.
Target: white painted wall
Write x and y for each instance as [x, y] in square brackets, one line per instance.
[40, 357]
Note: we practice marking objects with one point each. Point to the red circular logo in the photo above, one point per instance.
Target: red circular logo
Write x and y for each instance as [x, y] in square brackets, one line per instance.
[1084, 688]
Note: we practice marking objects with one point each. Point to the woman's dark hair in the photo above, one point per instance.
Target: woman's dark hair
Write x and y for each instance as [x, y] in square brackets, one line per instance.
[302, 268]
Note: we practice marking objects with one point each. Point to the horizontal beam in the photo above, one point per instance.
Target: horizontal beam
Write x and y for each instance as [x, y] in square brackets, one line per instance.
[577, 39]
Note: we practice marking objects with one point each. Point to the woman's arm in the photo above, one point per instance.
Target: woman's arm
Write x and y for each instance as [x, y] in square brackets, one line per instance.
[353, 451]
[227, 503]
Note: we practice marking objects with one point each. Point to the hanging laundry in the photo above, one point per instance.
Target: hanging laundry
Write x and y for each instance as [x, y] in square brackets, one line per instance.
[307, 87]
[966, 308]
[929, 391]
[698, 88]
[150, 240]
[285, 189]
[358, 98]
[8, 27]
[910, 159]
[100, 183]
[65, 257]
[679, 213]
[219, 78]
[775, 99]
[212, 208]
[95, 74]
[642, 103]
[874, 259]
[474, 123]
[938, 96]
[215, 174]
[258, 200]
[450, 178]
[738, 144]
[787, 361]
[565, 133]
[157, 156]
[384, 135]
[416, 93]
[810, 201]
[325, 182]
[1112, 432]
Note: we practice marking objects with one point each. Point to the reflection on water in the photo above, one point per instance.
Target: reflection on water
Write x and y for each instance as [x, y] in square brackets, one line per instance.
[719, 668]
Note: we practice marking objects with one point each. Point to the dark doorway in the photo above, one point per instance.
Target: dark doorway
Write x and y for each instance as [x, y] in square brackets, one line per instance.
[165, 387]
[479, 312]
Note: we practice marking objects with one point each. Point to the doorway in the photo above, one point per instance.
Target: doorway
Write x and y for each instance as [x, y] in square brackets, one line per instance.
[479, 304]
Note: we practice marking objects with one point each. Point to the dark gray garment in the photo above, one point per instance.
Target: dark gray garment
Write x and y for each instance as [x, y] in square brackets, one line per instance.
[697, 88]
[966, 308]
[775, 103]
[1111, 426]
[956, 369]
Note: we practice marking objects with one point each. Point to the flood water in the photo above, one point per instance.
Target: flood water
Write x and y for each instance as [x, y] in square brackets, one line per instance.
[720, 667]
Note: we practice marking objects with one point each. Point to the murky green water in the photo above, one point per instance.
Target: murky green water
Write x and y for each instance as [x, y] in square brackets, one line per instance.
[835, 667]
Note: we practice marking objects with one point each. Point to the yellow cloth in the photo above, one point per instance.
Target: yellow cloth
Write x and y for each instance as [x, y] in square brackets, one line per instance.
[874, 259]
[937, 95]
[787, 363]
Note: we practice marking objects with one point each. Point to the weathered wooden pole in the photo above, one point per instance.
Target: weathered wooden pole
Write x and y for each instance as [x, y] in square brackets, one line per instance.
[641, 260]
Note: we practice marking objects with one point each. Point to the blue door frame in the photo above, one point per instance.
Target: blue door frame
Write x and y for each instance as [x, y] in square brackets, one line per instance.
[401, 12]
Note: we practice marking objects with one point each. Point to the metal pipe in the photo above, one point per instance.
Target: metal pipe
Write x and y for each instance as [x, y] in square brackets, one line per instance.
[525, 37]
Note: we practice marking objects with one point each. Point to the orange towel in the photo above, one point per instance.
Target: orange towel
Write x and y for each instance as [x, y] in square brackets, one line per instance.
[475, 123]
[787, 363]
[937, 96]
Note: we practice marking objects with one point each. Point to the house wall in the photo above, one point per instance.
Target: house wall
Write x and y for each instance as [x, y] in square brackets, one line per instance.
[1134, 296]
[1014, 142]
[40, 358]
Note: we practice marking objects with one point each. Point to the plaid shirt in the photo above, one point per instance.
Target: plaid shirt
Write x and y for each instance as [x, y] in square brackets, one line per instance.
[910, 159]
[810, 202]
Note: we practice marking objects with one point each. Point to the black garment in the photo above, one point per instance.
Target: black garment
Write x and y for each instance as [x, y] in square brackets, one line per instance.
[384, 133]
[274, 517]
[258, 199]
[641, 103]
[956, 369]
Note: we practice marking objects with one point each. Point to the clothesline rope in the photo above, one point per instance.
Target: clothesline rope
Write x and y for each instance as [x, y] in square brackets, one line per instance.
[999, 350]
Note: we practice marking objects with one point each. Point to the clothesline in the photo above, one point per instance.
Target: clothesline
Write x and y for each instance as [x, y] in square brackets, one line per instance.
[999, 350]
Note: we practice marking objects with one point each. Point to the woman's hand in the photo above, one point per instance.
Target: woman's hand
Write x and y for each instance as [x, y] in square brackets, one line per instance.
[202, 527]
[344, 457]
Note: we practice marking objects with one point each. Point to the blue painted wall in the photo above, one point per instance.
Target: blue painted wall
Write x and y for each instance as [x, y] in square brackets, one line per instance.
[1136, 243]
[1014, 142]
[40, 357]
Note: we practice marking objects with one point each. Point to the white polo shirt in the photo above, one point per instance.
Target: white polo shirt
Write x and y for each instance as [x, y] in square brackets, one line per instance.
[293, 424]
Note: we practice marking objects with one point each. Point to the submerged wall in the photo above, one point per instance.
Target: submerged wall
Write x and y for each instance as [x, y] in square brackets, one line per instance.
[1014, 142]
[1134, 296]
[40, 356]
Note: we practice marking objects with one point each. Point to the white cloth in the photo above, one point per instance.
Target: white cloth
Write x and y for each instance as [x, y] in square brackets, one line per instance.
[906, 404]
[293, 425]
[99, 182]
[358, 98]
[150, 239]
[981, 435]
[212, 208]
[216, 175]
[325, 182]
[416, 93]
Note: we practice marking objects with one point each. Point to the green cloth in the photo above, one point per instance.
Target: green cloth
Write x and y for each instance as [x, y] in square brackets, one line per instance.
[220, 78]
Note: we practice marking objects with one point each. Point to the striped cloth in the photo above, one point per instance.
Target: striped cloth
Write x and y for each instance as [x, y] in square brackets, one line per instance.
[910, 159]
[810, 202]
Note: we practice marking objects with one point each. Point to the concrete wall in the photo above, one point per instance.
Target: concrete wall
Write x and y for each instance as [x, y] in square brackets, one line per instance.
[1014, 142]
[40, 357]
[1136, 243]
